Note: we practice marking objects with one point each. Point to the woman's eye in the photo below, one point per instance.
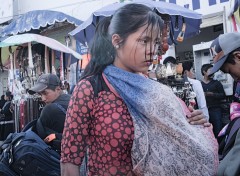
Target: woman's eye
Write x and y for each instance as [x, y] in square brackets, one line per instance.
[142, 41]
[158, 42]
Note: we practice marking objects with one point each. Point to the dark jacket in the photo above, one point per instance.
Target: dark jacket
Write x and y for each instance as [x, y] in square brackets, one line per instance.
[52, 118]
[216, 88]
[2, 102]
[6, 111]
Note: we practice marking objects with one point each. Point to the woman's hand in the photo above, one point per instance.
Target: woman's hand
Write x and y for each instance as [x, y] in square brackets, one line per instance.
[196, 117]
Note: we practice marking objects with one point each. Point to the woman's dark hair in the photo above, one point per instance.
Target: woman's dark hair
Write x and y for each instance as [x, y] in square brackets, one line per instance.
[170, 59]
[125, 21]
[205, 68]
[187, 66]
[230, 58]
[9, 95]
[2, 97]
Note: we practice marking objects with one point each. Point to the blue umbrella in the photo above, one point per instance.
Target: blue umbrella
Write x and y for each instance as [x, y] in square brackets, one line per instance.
[179, 18]
[35, 20]
[236, 5]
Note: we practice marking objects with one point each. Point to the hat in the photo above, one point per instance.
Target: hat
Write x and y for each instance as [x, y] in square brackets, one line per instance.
[221, 47]
[8, 93]
[43, 82]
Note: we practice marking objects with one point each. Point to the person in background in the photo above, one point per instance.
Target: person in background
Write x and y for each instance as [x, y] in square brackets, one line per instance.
[225, 51]
[52, 116]
[197, 87]
[66, 87]
[127, 123]
[170, 59]
[214, 93]
[6, 109]
[7, 116]
[2, 101]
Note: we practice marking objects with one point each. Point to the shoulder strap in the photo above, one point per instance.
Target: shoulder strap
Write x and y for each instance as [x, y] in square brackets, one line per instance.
[61, 108]
[29, 125]
[233, 130]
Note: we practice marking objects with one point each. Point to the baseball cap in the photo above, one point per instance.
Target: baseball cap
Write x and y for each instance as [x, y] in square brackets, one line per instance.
[221, 47]
[44, 82]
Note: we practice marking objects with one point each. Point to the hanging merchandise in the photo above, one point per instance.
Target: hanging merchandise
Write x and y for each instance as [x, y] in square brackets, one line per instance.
[170, 74]
[182, 33]
[27, 62]
[10, 72]
[234, 23]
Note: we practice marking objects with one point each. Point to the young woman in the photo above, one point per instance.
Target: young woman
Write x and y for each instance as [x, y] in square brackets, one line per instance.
[129, 124]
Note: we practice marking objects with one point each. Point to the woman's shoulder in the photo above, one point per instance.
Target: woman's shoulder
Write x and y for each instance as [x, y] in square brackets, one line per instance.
[94, 82]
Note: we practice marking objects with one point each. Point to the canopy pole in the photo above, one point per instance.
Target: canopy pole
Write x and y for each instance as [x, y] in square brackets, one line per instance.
[11, 70]
[46, 61]
[30, 58]
[1, 64]
[53, 62]
[61, 67]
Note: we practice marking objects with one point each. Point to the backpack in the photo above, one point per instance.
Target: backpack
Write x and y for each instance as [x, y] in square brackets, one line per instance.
[227, 135]
[230, 164]
[27, 154]
[5, 170]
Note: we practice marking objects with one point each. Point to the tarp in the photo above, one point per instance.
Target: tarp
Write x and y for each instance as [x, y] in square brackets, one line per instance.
[178, 14]
[51, 43]
[35, 20]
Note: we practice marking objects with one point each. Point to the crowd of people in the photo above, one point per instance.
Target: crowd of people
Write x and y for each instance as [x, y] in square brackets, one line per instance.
[117, 121]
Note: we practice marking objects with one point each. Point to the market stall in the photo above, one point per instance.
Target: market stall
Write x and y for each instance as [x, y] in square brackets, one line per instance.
[33, 55]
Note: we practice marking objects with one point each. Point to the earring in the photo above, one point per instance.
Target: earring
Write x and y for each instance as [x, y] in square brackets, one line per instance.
[117, 46]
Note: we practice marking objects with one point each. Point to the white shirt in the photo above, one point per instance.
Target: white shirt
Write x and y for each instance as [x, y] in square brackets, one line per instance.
[200, 96]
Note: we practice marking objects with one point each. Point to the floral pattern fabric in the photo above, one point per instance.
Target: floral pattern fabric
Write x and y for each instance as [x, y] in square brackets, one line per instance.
[164, 142]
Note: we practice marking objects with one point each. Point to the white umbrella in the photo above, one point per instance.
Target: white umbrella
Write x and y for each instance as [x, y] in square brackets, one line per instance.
[51, 43]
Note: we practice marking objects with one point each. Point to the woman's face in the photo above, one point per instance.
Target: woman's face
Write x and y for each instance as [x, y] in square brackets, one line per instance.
[136, 53]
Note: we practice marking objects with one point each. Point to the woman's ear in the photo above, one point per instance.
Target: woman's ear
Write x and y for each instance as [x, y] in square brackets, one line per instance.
[116, 40]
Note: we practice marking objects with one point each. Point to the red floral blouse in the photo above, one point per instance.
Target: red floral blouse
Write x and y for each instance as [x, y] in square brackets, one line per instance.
[99, 121]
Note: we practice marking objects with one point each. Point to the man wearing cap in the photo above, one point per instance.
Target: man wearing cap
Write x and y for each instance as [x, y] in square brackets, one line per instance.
[226, 57]
[53, 114]
[225, 51]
